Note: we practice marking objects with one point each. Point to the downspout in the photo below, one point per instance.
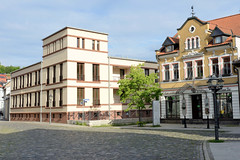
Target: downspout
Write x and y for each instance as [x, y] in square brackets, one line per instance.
[109, 114]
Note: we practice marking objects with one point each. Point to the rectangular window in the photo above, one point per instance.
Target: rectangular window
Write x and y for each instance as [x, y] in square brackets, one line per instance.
[98, 45]
[156, 72]
[83, 43]
[199, 70]
[60, 115]
[20, 81]
[36, 78]
[225, 105]
[54, 98]
[122, 73]
[218, 39]
[27, 101]
[47, 103]
[30, 99]
[172, 107]
[95, 72]
[166, 73]
[96, 100]
[27, 80]
[39, 77]
[226, 66]
[80, 71]
[35, 104]
[22, 100]
[80, 96]
[60, 98]
[169, 48]
[78, 42]
[215, 67]
[61, 72]
[54, 74]
[53, 116]
[189, 71]
[23, 81]
[93, 44]
[175, 72]
[146, 72]
[38, 98]
[30, 79]
[48, 75]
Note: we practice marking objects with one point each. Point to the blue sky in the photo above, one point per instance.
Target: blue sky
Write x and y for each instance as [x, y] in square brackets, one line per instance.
[136, 28]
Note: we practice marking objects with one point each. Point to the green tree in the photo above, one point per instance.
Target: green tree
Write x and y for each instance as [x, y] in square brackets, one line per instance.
[138, 89]
[8, 69]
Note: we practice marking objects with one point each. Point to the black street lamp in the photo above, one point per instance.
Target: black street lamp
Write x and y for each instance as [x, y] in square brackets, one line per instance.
[215, 84]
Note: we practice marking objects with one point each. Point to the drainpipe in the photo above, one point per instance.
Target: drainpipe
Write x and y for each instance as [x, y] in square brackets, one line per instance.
[109, 114]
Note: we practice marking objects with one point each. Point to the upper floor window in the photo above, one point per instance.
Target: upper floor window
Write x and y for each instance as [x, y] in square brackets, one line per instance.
[146, 72]
[80, 96]
[193, 43]
[226, 66]
[54, 74]
[98, 45]
[80, 71]
[188, 44]
[95, 72]
[93, 44]
[166, 73]
[218, 39]
[189, 70]
[96, 97]
[197, 42]
[61, 72]
[175, 72]
[156, 80]
[48, 75]
[169, 48]
[122, 73]
[215, 67]
[83, 43]
[199, 69]
[78, 42]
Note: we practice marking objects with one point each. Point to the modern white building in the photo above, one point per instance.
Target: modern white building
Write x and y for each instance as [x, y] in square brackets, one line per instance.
[75, 69]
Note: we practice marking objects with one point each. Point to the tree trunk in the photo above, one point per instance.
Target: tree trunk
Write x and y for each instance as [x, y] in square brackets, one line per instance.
[140, 124]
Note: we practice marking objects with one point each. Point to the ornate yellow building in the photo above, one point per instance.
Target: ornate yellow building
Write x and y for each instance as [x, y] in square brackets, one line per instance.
[186, 60]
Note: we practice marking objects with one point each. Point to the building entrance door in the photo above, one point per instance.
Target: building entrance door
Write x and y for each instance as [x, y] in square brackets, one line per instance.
[197, 106]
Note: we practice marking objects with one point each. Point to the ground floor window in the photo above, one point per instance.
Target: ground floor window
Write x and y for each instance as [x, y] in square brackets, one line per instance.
[172, 107]
[225, 105]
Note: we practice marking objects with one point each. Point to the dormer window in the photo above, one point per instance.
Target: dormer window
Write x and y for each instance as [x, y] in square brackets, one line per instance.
[169, 48]
[218, 39]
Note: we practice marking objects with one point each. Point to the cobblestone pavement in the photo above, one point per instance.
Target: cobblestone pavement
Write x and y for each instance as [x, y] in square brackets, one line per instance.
[22, 140]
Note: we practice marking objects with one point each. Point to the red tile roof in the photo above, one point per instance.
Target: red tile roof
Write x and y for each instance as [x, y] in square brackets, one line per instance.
[227, 24]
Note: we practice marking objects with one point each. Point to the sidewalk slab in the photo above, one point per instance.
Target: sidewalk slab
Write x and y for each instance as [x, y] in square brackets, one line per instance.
[226, 150]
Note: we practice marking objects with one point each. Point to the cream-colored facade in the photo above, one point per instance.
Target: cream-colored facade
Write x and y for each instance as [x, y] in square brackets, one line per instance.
[75, 66]
[198, 50]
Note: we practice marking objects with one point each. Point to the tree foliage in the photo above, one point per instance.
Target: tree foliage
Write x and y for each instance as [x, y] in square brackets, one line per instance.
[138, 89]
[8, 69]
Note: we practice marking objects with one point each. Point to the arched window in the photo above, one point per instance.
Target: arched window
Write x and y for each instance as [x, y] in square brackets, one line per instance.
[193, 45]
[197, 42]
[188, 43]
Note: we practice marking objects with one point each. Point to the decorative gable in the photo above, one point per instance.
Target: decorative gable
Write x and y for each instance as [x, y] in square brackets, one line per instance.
[168, 42]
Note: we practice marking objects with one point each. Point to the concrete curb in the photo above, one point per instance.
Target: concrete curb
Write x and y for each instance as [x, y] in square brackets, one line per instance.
[207, 154]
